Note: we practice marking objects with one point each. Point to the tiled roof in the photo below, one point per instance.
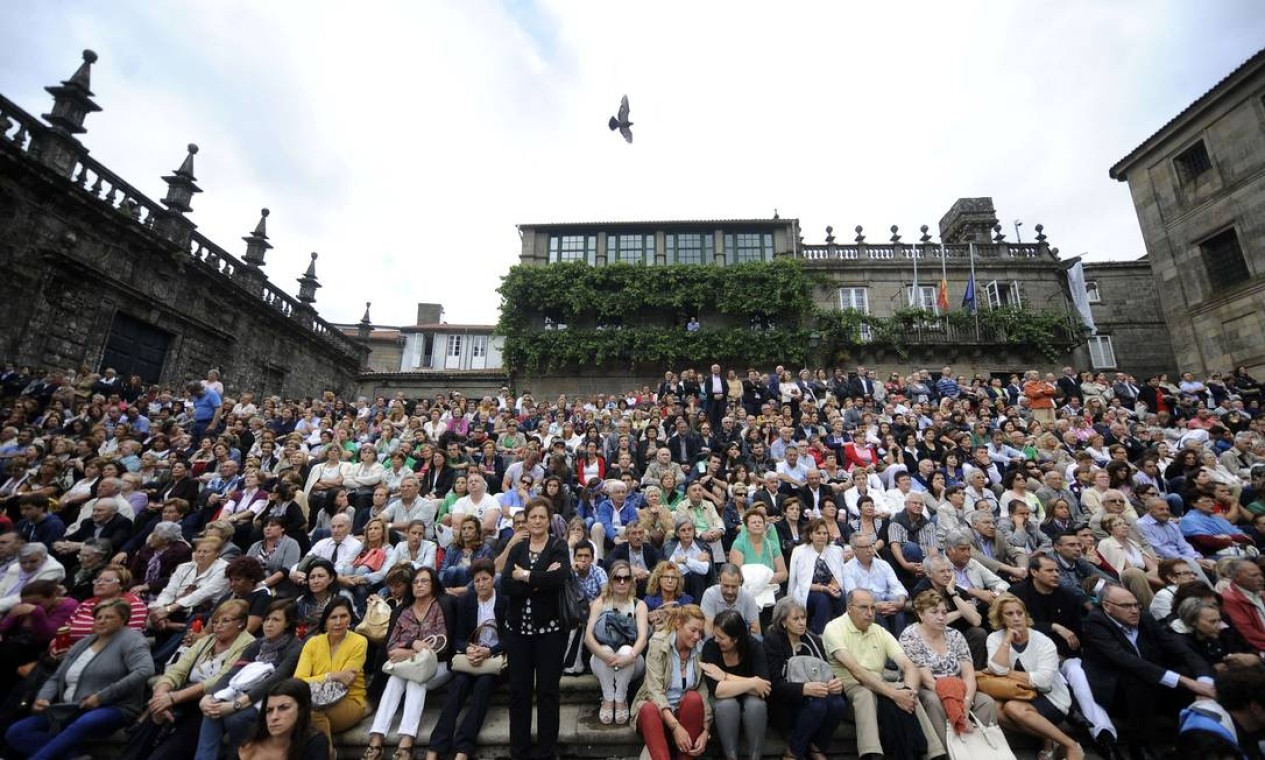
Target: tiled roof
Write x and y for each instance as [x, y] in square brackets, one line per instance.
[1117, 172]
[441, 326]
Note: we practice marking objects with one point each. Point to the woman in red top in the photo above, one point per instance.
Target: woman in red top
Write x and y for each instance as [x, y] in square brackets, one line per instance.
[590, 465]
[112, 582]
[858, 456]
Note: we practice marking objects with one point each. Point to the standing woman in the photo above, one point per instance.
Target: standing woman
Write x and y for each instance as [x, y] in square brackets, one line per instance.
[738, 677]
[535, 571]
[99, 688]
[337, 653]
[808, 713]
[672, 707]
[284, 728]
[617, 660]
[421, 625]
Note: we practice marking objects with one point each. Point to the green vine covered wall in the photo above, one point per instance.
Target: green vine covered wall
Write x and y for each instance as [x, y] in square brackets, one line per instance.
[626, 314]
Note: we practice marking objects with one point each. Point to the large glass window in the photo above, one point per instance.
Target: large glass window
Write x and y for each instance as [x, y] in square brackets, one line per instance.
[1101, 354]
[630, 249]
[748, 246]
[573, 248]
[690, 248]
[1223, 260]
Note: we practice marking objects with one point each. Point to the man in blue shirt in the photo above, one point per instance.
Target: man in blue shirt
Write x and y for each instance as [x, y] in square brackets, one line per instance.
[206, 409]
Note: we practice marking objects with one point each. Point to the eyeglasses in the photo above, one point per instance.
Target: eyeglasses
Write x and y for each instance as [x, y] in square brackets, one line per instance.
[1125, 606]
[1113, 501]
[116, 580]
[621, 578]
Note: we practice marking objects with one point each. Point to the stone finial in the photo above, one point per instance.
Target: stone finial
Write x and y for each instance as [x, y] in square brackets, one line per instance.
[257, 242]
[1040, 228]
[180, 185]
[895, 235]
[308, 283]
[365, 328]
[999, 237]
[859, 238]
[72, 100]
[926, 237]
[365, 319]
[830, 235]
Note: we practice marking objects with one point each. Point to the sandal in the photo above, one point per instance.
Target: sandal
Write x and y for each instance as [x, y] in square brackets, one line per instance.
[607, 713]
[403, 753]
[372, 753]
[621, 713]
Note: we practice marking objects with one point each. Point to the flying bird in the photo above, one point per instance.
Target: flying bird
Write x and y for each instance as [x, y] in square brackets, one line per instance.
[622, 123]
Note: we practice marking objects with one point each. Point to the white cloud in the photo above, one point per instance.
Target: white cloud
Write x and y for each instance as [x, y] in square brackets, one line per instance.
[403, 141]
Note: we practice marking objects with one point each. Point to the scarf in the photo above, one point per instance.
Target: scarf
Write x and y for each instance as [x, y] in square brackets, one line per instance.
[270, 651]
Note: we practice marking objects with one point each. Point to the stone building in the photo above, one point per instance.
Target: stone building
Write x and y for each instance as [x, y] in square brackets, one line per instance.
[879, 277]
[431, 356]
[99, 275]
[1130, 334]
[1198, 185]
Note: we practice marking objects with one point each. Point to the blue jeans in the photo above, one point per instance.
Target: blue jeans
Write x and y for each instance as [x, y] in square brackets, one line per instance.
[33, 736]
[237, 725]
[815, 724]
[455, 576]
[822, 608]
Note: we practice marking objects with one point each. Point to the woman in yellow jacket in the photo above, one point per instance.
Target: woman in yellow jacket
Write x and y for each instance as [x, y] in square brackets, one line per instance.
[337, 653]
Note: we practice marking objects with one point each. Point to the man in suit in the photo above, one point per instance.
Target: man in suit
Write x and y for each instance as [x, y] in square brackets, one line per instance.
[812, 492]
[768, 494]
[639, 553]
[1128, 658]
[669, 386]
[715, 396]
[1126, 390]
[684, 445]
[862, 385]
[1069, 386]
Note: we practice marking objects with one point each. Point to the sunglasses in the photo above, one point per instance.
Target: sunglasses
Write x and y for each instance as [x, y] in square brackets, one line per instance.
[621, 578]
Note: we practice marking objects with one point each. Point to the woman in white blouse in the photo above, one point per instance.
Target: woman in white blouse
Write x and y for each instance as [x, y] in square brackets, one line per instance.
[816, 577]
[1123, 553]
[1014, 642]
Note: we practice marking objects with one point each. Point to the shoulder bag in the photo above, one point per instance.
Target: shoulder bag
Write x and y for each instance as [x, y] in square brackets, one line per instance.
[805, 668]
[376, 621]
[421, 667]
[326, 694]
[984, 743]
[1002, 689]
[615, 630]
[572, 603]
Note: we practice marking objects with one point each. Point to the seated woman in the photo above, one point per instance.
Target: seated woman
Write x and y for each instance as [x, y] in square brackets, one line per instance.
[191, 589]
[479, 618]
[157, 560]
[1220, 645]
[421, 624]
[112, 582]
[1021, 653]
[664, 592]
[276, 553]
[284, 727]
[370, 565]
[616, 635]
[99, 688]
[336, 653]
[816, 577]
[737, 675]
[320, 593]
[28, 628]
[198, 671]
[1173, 573]
[672, 707]
[236, 714]
[245, 581]
[941, 652]
[466, 548]
[416, 550]
[756, 545]
[692, 559]
[807, 713]
[1136, 566]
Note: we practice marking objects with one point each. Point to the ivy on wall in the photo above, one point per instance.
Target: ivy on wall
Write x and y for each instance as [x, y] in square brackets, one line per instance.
[582, 296]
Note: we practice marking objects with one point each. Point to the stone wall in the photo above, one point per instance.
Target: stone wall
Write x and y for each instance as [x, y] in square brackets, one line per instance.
[469, 383]
[73, 261]
[1131, 312]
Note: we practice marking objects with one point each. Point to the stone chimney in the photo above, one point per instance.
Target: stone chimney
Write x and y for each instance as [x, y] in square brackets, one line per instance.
[59, 149]
[430, 313]
[970, 220]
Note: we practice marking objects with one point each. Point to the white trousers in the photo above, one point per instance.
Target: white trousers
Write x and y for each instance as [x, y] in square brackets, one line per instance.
[1098, 718]
[615, 682]
[414, 696]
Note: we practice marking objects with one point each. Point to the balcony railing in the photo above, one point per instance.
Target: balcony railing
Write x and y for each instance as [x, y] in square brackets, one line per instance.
[956, 252]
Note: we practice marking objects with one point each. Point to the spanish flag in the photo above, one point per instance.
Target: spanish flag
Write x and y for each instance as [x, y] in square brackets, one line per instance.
[942, 296]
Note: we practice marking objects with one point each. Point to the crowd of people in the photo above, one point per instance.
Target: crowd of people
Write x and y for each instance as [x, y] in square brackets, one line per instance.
[1072, 557]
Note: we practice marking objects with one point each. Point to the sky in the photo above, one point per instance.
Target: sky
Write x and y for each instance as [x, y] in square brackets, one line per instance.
[404, 141]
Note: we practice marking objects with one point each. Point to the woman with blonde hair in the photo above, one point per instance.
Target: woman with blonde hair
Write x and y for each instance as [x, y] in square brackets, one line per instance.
[672, 706]
[616, 635]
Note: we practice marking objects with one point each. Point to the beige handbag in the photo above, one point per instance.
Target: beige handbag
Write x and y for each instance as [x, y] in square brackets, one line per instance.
[492, 666]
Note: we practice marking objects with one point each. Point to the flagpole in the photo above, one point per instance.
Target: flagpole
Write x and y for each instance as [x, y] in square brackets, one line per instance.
[915, 298]
[975, 299]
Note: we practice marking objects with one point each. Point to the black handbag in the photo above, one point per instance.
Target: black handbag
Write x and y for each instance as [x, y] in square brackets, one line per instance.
[572, 603]
[615, 630]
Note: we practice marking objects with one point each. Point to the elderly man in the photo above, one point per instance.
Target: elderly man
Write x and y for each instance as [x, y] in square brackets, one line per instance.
[792, 471]
[34, 564]
[341, 549]
[662, 465]
[409, 506]
[991, 549]
[911, 535]
[858, 651]
[972, 577]
[868, 572]
[1210, 533]
[1128, 657]
[104, 521]
[964, 614]
[1040, 395]
[1165, 538]
[1241, 601]
[1239, 458]
[614, 515]
[1055, 487]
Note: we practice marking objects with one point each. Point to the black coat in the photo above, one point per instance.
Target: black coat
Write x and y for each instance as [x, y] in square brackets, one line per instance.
[1109, 656]
[541, 587]
[117, 531]
[692, 446]
[468, 619]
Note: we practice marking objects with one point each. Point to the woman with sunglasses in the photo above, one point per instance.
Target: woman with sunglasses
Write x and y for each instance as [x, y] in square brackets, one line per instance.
[616, 635]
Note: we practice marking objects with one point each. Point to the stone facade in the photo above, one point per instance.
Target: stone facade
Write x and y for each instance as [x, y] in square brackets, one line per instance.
[1198, 185]
[1128, 312]
[100, 275]
[472, 384]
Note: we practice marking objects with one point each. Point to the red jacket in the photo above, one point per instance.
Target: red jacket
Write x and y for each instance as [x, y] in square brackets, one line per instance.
[1244, 616]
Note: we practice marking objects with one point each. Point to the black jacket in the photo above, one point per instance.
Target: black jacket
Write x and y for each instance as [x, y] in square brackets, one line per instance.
[542, 586]
[117, 531]
[468, 619]
[1109, 656]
